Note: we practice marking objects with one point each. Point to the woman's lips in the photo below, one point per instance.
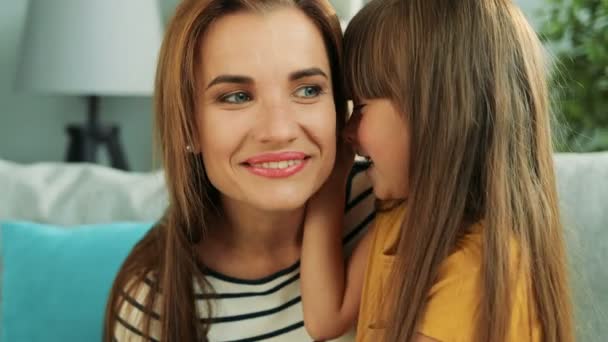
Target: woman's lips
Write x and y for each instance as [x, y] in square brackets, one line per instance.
[277, 164]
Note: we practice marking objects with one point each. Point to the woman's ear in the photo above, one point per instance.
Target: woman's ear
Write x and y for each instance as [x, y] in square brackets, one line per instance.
[193, 145]
[193, 149]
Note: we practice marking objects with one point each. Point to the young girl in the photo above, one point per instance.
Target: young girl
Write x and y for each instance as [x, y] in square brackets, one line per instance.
[452, 113]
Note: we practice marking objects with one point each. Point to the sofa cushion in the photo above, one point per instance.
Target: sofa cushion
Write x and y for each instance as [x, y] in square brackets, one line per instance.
[74, 194]
[56, 280]
[582, 181]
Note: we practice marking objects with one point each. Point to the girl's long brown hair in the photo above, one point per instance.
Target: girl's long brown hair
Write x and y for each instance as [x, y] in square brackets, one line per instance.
[168, 250]
[469, 76]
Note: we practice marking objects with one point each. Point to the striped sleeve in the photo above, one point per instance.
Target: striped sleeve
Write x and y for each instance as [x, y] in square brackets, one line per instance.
[359, 209]
[132, 314]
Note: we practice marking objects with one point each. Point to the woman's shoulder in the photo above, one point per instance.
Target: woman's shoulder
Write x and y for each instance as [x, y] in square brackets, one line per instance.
[138, 304]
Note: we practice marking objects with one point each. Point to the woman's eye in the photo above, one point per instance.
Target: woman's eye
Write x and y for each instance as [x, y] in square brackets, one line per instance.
[236, 98]
[308, 91]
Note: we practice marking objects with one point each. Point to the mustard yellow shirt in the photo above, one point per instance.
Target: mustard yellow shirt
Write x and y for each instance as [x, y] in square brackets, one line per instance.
[451, 308]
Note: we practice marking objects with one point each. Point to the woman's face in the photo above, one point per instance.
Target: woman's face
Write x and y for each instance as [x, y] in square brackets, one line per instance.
[380, 133]
[265, 113]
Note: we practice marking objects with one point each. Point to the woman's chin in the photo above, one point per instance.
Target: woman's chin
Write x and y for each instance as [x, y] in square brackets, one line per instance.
[280, 204]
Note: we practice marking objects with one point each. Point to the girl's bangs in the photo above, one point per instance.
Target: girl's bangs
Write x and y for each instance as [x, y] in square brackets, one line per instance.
[365, 54]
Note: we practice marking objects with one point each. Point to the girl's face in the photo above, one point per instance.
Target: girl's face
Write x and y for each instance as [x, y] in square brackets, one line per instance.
[265, 113]
[380, 133]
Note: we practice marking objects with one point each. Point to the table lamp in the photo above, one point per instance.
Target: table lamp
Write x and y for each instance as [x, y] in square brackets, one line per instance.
[91, 48]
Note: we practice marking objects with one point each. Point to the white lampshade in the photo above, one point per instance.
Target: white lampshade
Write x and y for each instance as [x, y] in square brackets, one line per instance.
[90, 47]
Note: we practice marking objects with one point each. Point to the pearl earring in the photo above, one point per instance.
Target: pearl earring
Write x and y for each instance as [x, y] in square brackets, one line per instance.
[189, 148]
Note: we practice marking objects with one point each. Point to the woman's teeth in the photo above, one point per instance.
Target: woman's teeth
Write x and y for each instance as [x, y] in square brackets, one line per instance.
[277, 165]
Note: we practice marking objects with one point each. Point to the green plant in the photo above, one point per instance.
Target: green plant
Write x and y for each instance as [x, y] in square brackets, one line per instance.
[578, 32]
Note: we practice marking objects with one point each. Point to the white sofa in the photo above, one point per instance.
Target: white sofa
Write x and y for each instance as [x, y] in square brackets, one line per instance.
[74, 194]
[69, 195]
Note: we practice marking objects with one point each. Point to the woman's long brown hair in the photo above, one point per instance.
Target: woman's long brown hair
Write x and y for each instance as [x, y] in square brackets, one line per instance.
[167, 251]
[469, 76]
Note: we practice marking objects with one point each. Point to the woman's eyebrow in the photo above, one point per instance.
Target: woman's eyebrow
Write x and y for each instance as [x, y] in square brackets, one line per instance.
[306, 73]
[238, 79]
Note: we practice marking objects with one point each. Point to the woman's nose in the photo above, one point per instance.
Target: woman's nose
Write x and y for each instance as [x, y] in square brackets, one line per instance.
[276, 124]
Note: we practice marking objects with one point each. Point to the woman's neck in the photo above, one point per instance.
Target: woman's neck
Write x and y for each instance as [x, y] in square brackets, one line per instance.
[246, 228]
[246, 242]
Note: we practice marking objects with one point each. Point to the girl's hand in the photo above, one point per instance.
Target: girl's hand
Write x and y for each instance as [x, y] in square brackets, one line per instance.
[331, 289]
[330, 295]
[335, 186]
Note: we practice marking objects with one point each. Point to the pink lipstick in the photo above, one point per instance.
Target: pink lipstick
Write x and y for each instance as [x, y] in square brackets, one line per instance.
[277, 164]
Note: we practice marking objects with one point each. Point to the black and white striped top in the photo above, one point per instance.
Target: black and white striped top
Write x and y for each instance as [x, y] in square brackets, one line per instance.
[267, 309]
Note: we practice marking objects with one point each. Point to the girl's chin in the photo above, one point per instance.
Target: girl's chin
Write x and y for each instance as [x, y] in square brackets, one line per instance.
[382, 194]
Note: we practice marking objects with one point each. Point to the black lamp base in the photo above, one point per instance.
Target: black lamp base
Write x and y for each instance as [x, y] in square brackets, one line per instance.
[83, 145]
[86, 139]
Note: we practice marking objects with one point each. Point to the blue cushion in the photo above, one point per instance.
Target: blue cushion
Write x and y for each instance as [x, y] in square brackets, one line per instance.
[57, 280]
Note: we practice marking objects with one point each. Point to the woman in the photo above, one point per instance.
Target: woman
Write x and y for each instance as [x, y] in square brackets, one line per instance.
[248, 103]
